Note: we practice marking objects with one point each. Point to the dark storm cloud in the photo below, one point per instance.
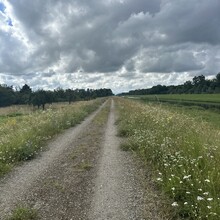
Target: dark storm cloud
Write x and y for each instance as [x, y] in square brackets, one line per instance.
[123, 39]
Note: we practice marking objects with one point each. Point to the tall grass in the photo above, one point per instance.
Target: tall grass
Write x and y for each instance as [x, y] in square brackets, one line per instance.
[21, 138]
[211, 116]
[183, 153]
[15, 109]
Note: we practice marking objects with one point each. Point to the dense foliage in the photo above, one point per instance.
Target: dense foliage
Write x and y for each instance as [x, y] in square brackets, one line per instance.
[198, 85]
[25, 95]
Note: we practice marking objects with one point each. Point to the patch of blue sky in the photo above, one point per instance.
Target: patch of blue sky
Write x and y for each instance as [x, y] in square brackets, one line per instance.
[2, 7]
[9, 22]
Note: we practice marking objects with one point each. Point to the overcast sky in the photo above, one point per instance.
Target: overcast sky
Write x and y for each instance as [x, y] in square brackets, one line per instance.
[117, 44]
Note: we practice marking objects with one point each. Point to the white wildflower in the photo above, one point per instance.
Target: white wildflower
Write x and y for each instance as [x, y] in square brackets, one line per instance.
[174, 204]
[186, 177]
[199, 198]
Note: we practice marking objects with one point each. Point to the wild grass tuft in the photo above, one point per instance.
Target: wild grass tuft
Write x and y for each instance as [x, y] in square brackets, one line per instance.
[23, 213]
[183, 153]
[85, 165]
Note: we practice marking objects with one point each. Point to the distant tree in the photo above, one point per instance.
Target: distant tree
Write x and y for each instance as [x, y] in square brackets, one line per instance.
[59, 95]
[70, 95]
[217, 83]
[199, 80]
[7, 95]
[25, 94]
[187, 87]
[218, 77]
[49, 97]
[26, 89]
[198, 85]
[39, 98]
[159, 89]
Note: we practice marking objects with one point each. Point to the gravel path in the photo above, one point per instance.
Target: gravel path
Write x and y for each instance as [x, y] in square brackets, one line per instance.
[83, 175]
[120, 186]
[117, 195]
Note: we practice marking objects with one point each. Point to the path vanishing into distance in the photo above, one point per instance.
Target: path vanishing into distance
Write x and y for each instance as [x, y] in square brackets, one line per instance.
[83, 175]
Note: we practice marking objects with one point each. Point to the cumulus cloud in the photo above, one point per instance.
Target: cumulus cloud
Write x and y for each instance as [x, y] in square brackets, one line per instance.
[121, 44]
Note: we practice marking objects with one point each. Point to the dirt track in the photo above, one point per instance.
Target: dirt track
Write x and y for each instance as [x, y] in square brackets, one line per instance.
[82, 175]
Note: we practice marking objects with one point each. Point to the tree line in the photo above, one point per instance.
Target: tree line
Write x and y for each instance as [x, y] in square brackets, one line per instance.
[25, 95]
[198, 85]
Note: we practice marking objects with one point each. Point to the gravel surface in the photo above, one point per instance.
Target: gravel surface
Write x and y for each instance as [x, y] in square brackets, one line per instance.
[119, 191]
[83, 175]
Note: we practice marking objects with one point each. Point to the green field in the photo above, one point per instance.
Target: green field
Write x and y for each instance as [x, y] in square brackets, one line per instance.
[202, 107]
[203, 100]
[211, 116]
[213, 98]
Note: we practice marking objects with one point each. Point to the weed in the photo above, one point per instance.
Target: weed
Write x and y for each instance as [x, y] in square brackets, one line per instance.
[85, 165]
[58, 186]
[73, 156]
[23, 213]
[4, 168]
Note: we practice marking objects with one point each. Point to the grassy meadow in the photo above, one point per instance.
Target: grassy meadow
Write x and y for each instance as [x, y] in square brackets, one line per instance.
[203, 107]
[211, 116]
[213, 98]
[183, 153]
[24, 131]
[208, 101]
